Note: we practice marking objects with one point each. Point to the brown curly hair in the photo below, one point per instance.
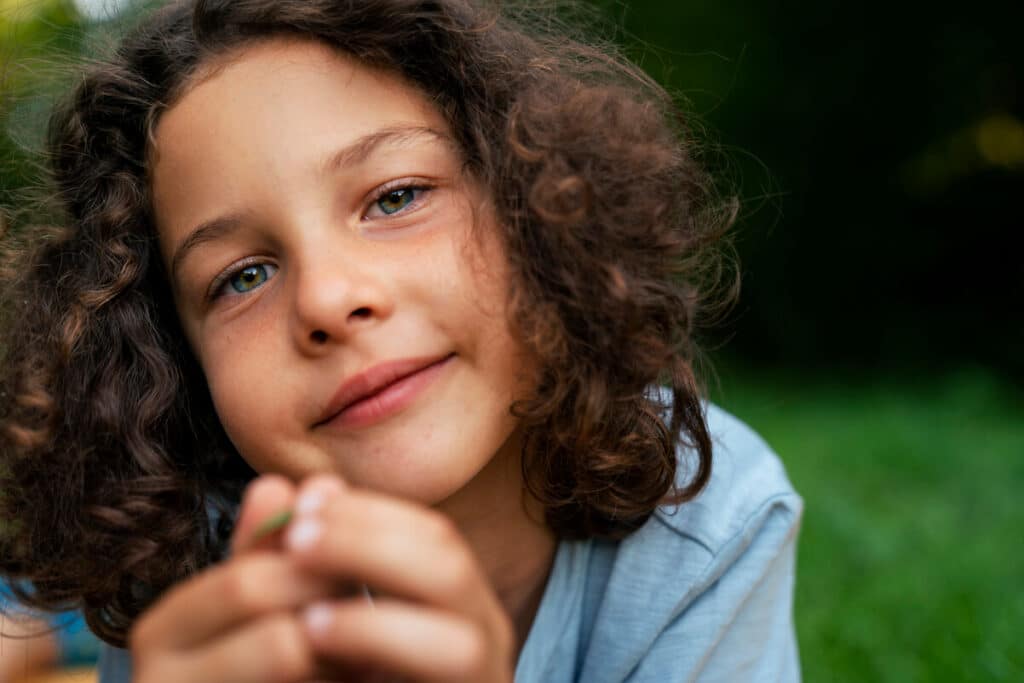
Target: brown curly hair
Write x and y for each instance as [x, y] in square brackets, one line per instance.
[116, 478]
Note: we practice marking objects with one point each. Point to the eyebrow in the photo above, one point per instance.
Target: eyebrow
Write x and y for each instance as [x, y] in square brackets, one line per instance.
[350, 155]
[208, 231]
[358, 151]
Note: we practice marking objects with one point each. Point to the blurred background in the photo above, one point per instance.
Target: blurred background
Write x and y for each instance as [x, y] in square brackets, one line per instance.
[878, 152]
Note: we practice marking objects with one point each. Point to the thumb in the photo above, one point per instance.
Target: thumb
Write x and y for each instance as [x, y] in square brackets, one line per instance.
[266, 503]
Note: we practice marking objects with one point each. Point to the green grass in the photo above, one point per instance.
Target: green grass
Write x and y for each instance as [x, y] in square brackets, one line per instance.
[911, 558]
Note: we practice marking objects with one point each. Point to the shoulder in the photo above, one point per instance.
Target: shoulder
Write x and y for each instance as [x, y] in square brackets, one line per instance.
[748, 484]
[704, 586]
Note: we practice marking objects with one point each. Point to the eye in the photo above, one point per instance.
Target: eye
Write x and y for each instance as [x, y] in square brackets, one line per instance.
[249, 278]
[393, 200]
[243, 280]
[396, 200]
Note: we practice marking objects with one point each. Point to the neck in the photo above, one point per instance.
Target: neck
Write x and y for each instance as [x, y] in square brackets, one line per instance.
[505, 527]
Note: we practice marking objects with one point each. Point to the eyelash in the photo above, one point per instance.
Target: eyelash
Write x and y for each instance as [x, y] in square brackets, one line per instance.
[419, 187]
[216, 289]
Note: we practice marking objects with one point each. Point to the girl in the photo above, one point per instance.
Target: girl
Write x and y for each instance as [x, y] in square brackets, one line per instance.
[414, 272]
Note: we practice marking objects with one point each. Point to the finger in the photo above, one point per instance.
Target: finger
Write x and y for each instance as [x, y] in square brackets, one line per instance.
[275, 649]
[224, 597]
[423, 643]
[395, 546]
[265, 497]
[315, 492]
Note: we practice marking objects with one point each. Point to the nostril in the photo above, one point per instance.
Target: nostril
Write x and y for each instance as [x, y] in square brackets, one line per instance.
[363, 312]
[318, 336]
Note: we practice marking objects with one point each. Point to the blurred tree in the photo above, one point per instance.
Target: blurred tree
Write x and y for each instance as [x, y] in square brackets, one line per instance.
[32, 34]
[879, 150]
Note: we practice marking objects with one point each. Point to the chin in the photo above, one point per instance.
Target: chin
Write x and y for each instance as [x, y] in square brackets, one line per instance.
[420, 490]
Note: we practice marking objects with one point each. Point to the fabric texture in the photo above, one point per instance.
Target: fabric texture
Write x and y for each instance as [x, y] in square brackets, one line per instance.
[702, 592]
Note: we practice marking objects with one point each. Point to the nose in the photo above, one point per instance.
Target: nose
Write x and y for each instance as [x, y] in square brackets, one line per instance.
[337, 297]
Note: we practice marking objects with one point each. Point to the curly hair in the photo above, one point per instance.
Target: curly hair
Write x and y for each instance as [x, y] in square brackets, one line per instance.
[116, 478]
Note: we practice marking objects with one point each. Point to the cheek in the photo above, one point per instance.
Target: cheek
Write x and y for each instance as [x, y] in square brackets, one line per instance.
[485, 290]
[233, 402]
[241, 385]
[484, 321]
[477, 272]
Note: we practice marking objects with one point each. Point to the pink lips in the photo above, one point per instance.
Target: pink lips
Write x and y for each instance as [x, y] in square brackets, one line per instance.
[381, 391]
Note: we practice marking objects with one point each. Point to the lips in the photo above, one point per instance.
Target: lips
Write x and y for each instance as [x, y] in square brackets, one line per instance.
[380, 390]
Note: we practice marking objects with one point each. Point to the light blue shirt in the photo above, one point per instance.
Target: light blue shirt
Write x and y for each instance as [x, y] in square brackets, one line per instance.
[701, 592]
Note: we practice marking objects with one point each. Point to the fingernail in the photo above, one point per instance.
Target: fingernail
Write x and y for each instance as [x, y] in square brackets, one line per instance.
[315, 494]
[310, 502]
[303, 534]
[318, 618]
[271, 525]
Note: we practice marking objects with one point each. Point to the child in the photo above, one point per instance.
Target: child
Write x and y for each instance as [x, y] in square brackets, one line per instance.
[412, 272]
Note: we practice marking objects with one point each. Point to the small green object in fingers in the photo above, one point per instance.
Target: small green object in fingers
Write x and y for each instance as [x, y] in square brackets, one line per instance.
[274, 523]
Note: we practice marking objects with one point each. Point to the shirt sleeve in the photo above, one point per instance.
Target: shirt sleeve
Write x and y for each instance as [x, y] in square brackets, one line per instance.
[740, 628]
[758, 640]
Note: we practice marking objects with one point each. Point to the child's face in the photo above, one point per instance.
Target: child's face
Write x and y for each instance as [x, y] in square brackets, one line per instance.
[337, 239]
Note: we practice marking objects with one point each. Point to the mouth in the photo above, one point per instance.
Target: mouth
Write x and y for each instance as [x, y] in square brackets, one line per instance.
[381, 391]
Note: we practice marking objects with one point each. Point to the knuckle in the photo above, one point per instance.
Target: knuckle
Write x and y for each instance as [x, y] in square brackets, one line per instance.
[457, 569]
[469, 653]
[442, 530]
[287, 656]
[156, 669]
[141, 636]
[505, 633]
[243, 588]
[143, 671]
[138, 636]
[458, 573]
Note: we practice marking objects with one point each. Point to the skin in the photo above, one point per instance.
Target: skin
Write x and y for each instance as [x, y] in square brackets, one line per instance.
[426, 505]
[27, 646]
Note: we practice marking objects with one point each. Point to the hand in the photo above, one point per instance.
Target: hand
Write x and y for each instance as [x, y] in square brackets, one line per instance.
[271, 613]
[237, 622]
[434, 616]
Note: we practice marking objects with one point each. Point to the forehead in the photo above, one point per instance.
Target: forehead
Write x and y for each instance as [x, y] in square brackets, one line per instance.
[276, 107]
[277, 70]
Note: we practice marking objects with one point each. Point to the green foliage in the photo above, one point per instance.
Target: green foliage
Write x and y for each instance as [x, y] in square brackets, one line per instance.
[878, 151]
[910, 556]
[35, 35]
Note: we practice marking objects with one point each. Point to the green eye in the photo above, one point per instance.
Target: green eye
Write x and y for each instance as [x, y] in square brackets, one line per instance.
[249, 278]
[396, 200]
